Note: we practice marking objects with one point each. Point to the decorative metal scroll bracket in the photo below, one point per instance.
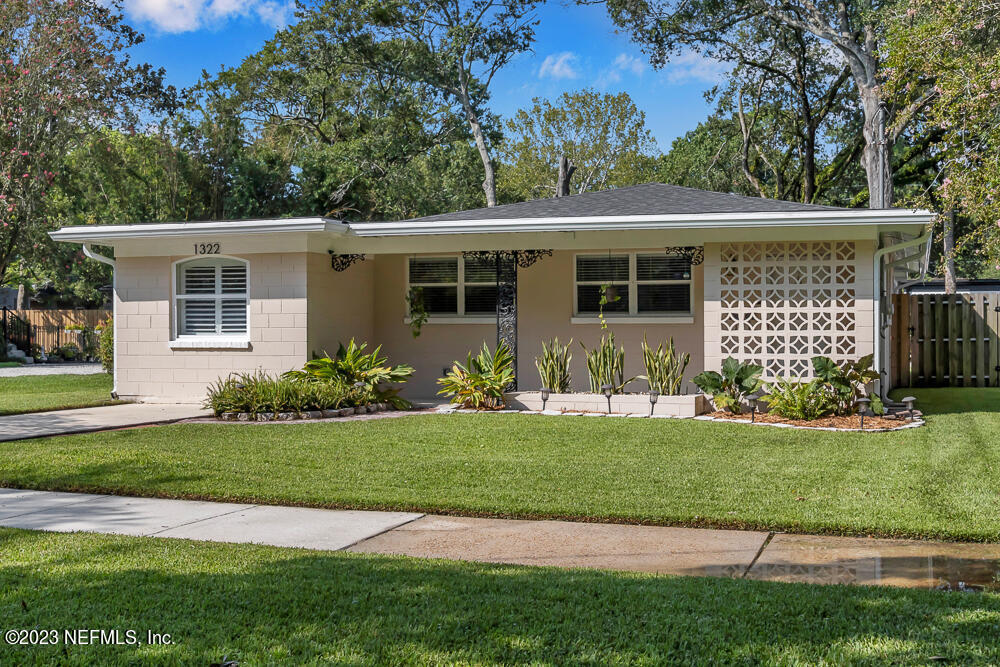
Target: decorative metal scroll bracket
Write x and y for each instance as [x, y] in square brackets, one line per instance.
[340, 262]
[693, 254]
[507, 262]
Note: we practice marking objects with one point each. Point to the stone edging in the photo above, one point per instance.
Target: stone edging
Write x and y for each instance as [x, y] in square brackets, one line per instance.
[310, 414]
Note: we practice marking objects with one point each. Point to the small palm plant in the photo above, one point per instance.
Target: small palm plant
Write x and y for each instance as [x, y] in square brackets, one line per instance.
[553, 366]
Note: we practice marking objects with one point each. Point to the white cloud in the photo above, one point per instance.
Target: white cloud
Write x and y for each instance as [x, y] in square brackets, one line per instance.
[559, 66]
[626, 62]
[187, 15]
[693, 66]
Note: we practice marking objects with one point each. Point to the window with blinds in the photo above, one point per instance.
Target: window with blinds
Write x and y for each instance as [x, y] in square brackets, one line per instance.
[212, 297]
[454, 285]
[645, 284]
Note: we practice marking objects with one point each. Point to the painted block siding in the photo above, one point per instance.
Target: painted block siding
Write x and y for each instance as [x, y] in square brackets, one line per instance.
[149, 370]
[776, 303]
[781, 303]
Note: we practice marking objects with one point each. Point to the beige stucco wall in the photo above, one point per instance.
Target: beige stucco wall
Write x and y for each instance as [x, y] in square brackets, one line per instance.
[149, 370]
[545, 309]
[340, 304]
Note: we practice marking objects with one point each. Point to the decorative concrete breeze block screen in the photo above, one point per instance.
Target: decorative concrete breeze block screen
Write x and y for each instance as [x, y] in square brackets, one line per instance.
[783, 303]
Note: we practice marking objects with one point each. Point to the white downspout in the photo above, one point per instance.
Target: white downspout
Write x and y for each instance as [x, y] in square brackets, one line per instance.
[114, 311]
[877, 278]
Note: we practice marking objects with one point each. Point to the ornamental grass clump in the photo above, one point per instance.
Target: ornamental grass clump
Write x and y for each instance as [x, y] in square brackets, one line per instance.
[664, 367]
[258, 393]
[606, 366]
[553, 366]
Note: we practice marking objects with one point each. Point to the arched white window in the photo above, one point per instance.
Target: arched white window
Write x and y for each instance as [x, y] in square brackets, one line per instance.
[211, 297]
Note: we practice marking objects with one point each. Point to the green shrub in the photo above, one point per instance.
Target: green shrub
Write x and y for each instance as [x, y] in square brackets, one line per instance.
[351, 365]
[800, 400]
[664, 367]
[553, 366]
[606, 365]
[480, 383]
[848, 382]
[731, 387]
[106, 345]
[258, 392]
[68, 351]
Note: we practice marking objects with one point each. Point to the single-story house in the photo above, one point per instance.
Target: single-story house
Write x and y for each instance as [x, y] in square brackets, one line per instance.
[769, 281]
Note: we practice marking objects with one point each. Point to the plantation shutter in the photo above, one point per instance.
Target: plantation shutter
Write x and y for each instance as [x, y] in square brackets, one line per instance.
[212, 297]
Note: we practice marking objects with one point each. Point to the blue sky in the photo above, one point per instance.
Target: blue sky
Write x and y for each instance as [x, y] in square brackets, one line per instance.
[576, 47]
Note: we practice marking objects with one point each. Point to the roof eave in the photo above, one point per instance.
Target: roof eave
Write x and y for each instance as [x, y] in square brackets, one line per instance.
[112, 233]
[635, 222]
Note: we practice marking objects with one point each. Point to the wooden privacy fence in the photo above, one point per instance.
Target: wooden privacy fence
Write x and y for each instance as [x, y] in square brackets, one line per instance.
[49, 327]
[946, 340]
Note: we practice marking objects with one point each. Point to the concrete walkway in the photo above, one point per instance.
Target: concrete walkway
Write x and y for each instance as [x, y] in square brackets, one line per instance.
[679, 551]
[51, 369]
[84, 420]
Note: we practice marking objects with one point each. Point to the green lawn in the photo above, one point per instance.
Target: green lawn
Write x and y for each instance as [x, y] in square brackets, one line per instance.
[9, 364]
[939, 481]
[38, 393]
[260, 605]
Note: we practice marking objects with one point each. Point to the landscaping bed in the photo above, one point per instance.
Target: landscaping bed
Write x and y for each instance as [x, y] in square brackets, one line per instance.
[847, 423]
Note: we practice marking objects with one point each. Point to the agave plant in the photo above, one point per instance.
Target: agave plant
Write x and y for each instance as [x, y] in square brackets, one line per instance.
[480, 382]
[553, 365]
[606, 365]
[664, 367]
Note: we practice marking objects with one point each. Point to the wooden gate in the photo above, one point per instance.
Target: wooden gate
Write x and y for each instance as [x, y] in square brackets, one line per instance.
[946, 340]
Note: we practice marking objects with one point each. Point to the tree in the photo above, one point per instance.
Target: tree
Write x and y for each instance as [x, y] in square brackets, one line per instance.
[604, 136]
[851, 28]
[311, 97]
[456, 46]
[956, 45]
[64, 74]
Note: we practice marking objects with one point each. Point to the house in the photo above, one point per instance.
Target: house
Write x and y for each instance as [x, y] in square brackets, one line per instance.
[769, 281]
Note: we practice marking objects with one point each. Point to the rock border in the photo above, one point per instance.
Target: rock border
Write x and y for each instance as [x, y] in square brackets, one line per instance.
[304, 416]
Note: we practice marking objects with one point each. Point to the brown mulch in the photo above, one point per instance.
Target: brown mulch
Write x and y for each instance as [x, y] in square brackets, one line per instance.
[851, 422]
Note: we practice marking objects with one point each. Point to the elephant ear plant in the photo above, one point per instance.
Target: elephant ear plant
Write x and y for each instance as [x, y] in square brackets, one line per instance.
[848, 382]
[731, 387]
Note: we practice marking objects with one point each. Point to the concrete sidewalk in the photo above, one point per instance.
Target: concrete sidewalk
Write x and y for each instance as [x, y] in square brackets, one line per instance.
[679, 551]
[84, 420]
[51, 369]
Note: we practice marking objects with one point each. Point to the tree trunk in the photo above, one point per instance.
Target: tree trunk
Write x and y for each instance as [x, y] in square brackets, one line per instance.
[876, 158]
[22, 298]
[948, 243]
[489, 181]
[566, 169]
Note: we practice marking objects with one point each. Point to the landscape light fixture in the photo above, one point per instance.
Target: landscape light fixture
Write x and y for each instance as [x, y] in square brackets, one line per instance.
[545, 397]
[909, 406]
[607, 389]
[653, 395]
[753, 398]
[862, 409]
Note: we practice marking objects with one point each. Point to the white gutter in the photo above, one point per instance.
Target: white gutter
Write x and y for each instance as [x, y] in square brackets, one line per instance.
[877, 278]
[612, 223]
[91, 233]
[114, 313]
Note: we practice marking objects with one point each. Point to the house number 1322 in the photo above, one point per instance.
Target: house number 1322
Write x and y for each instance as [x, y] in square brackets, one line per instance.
[206, 248]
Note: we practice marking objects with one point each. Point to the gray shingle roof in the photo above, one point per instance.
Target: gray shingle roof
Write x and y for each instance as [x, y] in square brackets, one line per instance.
[645, 199]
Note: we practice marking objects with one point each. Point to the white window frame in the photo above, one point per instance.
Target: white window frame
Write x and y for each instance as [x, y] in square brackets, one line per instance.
[204, 340]
[459, 317]
[633, 315]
